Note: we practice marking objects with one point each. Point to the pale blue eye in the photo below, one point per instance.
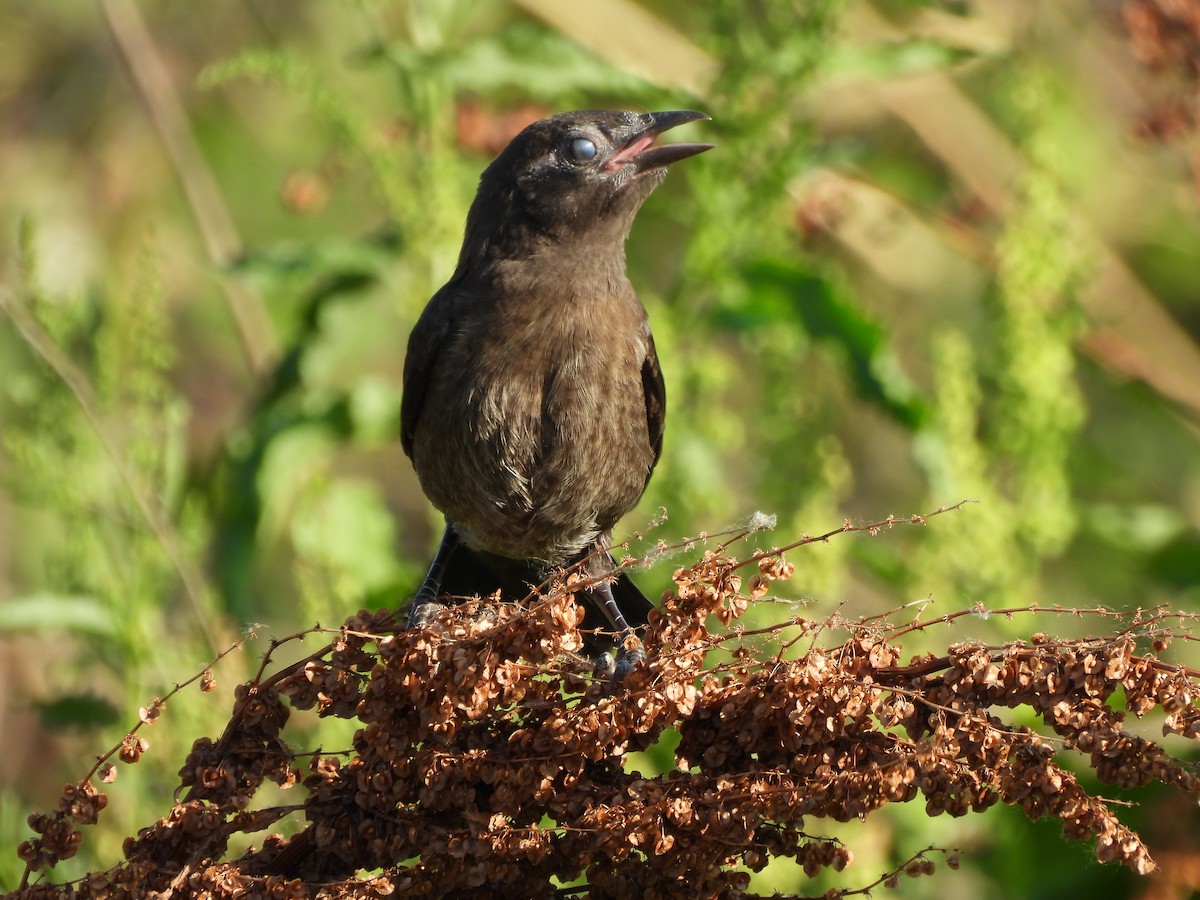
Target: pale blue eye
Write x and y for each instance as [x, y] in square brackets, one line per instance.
[581, 150]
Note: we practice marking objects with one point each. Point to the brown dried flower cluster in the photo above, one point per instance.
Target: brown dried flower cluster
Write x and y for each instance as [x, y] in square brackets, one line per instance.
[1165, 37]
[490, 762]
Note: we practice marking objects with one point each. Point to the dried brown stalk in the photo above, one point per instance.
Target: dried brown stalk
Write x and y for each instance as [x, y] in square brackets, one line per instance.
[489, 762]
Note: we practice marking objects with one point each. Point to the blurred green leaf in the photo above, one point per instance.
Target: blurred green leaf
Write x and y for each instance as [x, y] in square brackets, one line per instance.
[1145, 527]
[81, 711]
[896, 59]
[783, 295]
[38, 612]
[375, 409]
[344, 527]
[1178, 562]
[328, 257]
[528, 60]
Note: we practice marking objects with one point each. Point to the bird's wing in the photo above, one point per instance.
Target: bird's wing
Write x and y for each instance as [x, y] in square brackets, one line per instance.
[656, 398]
[425, 345]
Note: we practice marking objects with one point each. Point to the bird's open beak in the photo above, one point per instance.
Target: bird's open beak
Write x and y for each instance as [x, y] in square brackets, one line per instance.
[640, 152]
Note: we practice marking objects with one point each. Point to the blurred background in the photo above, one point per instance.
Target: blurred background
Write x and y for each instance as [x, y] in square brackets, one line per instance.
[943, 250]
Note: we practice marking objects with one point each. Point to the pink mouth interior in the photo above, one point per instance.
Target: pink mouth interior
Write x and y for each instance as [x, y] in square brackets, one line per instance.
[627, 154]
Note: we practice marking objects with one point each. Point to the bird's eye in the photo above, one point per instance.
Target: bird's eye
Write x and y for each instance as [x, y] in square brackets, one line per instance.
[580, 150]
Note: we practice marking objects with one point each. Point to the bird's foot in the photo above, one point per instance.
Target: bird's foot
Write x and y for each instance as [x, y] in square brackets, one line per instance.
[615, 669]
[422, 611]
[605, 666]
[627, 660]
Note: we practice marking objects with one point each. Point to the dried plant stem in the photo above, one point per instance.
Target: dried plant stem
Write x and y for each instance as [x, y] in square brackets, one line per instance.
[194, 584]
[157, 90]
[484, 763]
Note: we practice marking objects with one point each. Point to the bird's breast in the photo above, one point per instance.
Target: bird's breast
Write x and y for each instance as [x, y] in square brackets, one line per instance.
[534, 439]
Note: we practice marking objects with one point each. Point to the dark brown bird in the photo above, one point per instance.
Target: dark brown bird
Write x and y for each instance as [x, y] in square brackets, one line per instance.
[533, 401]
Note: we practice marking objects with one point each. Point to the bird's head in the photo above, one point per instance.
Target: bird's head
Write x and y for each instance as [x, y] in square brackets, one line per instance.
[577, 175]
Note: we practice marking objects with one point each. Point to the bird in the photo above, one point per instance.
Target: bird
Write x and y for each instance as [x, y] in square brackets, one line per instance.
[533, 403]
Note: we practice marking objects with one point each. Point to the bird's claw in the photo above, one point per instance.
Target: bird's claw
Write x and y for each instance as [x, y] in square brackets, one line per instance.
[605, 666]
[627, 660]
[422, 612]
[628, 656]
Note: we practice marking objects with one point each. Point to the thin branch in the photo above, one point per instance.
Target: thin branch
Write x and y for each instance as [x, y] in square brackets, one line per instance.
[161, 702]
[190, 576]
[157, 90]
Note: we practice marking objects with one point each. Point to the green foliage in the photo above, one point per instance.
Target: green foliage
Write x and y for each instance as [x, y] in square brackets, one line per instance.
[83, 711]
[1011, 448]
[89, 425]
[48, 611]
[80, 452]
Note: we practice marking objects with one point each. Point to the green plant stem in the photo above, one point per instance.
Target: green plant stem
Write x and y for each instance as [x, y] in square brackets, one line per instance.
[190, 576]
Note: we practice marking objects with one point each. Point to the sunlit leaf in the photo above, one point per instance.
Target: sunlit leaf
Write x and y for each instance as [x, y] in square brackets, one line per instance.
[38, 612]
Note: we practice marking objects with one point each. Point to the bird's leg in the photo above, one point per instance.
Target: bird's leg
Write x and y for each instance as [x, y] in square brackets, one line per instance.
[608, 606]
[425, 604]
[626, 659]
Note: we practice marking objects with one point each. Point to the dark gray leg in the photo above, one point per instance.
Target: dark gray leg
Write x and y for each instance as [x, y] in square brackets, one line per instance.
[602, 595]
[425, 604]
